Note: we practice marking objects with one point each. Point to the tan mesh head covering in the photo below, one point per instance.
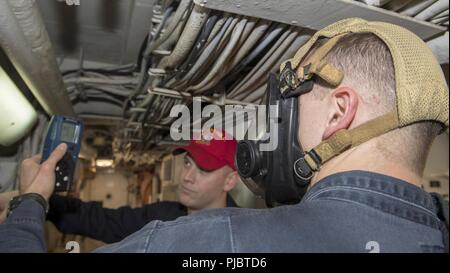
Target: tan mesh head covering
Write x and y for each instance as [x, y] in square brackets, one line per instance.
[421, 89]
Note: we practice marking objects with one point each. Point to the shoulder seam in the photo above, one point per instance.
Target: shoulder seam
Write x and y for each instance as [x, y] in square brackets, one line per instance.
[149, 236]
[230, 227]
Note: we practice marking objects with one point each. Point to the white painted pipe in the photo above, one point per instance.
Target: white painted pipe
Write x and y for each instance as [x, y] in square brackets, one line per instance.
[182, 8]
[433, 10]
[260, 72]
[221, 59]
[439, 46]
[207, 53]
[415, 7]
[193, 27]
[396, 5]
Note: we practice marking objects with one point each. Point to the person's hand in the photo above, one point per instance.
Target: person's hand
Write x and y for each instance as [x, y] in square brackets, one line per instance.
[40, 178]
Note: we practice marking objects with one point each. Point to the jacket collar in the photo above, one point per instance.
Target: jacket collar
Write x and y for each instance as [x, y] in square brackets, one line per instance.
[385, 193]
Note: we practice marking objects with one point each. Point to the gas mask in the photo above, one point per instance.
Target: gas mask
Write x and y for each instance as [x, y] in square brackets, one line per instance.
[282, 176]
[277, 175]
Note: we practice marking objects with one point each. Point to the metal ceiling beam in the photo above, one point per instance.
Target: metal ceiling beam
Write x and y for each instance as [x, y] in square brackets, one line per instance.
[317, 14]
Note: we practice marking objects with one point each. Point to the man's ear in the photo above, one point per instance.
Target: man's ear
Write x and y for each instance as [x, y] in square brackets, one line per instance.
[344, 103]
[230, 181]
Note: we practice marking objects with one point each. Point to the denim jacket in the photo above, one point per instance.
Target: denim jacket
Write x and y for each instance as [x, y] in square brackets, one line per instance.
[346, 212]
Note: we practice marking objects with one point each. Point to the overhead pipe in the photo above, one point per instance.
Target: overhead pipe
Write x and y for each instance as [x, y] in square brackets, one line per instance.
[439, 46]
[264, 68]
[175, 35]
[182, 8]
[396, 5]
[183, 95]
[198, 47]
[415, 7]
[194, 25]
[433, 10]
[220, 46]
[25, 41]
[250, 42]
[274, 33]
[268, 62]
[221, 59]
[238, 51]
[188, 35]
[218, 26]
[206, 54]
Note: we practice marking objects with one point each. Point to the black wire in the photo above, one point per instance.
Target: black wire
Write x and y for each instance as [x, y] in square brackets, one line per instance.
[99, 70]
[141, 53]
[198, 46]
[145, 77]
[103, 98]
[254, 56]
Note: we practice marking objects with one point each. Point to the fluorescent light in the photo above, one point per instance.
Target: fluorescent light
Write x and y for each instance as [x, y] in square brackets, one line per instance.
[104, 163]
[17, 116]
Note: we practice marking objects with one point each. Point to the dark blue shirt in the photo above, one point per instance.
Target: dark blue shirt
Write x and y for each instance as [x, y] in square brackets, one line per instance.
[91, 219]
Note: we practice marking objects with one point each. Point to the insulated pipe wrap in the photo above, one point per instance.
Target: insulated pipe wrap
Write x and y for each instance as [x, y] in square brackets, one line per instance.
[187, 39]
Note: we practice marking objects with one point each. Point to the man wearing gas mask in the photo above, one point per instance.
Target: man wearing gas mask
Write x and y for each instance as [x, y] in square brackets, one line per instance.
[359, 106]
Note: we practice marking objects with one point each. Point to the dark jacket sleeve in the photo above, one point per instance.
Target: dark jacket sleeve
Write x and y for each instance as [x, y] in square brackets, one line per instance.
[91, 219]
[23, 230]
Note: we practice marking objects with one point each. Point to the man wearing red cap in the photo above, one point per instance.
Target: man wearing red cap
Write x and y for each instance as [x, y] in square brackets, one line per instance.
[209, 172]
[208, 175]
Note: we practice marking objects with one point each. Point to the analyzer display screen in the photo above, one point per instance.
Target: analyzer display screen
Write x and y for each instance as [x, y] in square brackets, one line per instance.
[68, 132]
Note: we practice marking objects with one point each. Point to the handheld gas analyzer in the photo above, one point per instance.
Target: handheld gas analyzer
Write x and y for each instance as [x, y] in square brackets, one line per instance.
[67, 130]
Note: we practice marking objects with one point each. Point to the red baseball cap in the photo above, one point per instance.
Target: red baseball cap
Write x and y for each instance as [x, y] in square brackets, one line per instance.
[211, 154]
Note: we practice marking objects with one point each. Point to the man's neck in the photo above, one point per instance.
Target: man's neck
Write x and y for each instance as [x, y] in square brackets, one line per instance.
[222, 203]
[363, 158]
[191, 211]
